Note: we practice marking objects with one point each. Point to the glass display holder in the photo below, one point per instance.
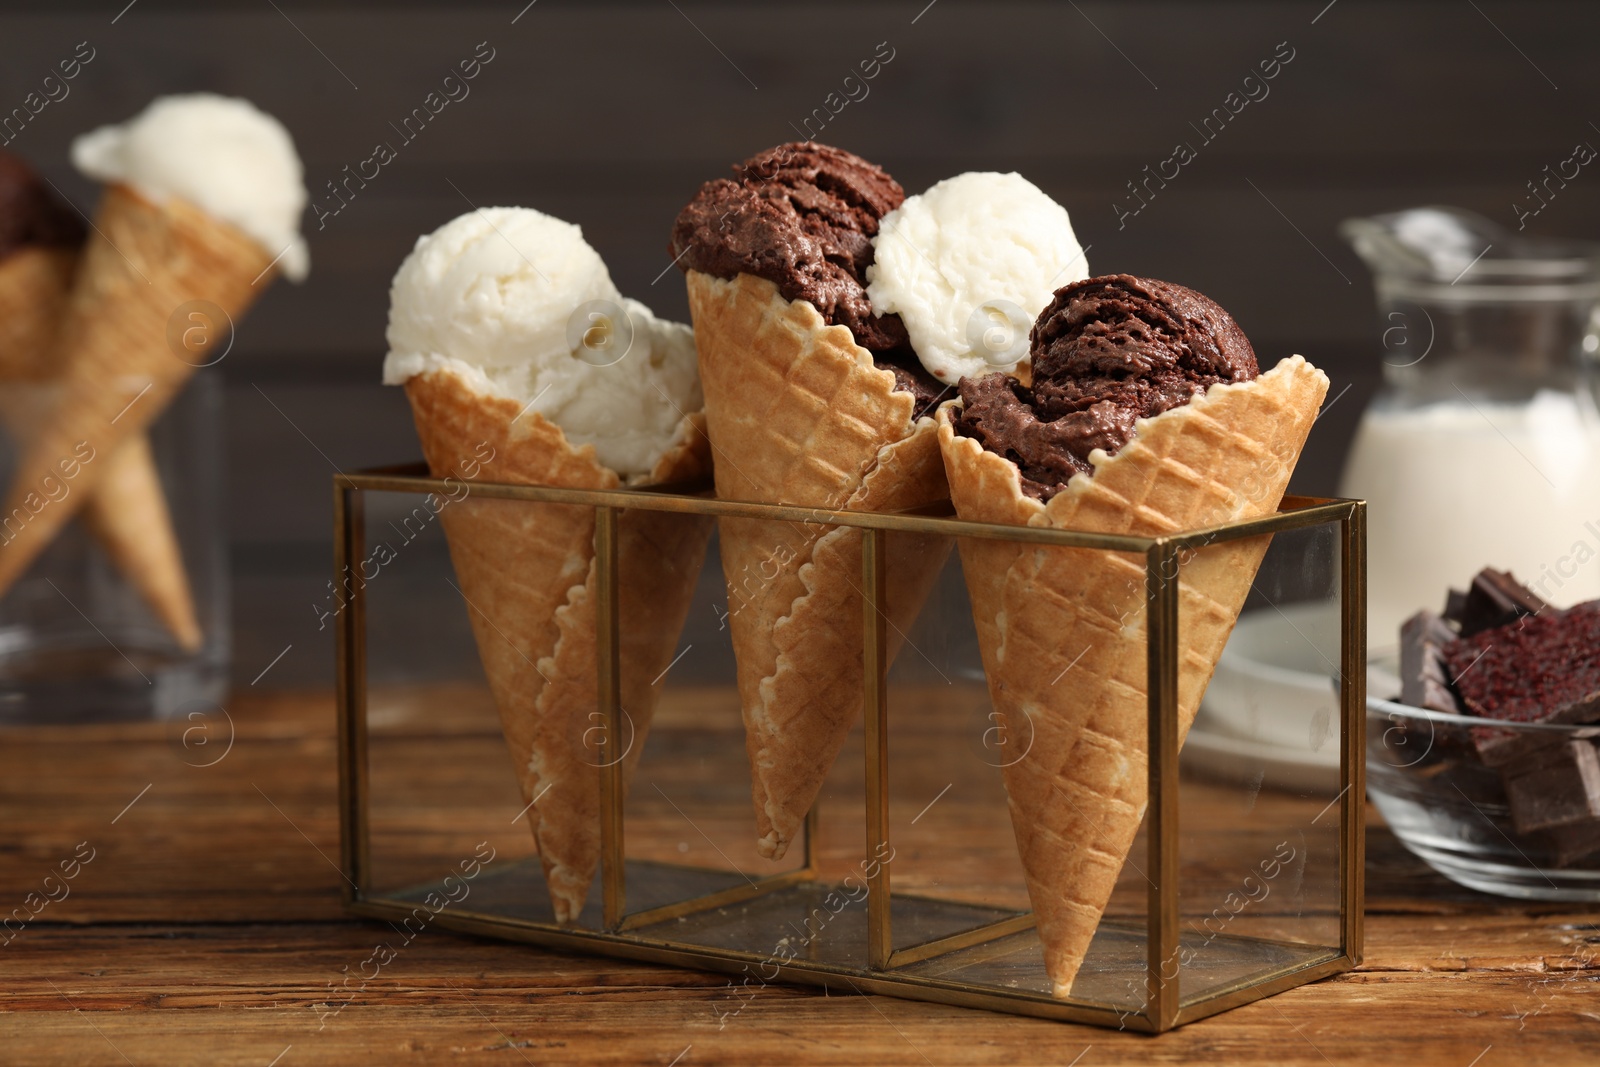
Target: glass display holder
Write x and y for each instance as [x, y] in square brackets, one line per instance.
[921, 945]
[79, 643]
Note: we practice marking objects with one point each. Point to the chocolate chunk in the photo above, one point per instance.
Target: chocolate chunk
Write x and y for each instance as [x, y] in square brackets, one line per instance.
[30, 212]
[1106, 352]
[1542, 668]
[802, 216]
[1571, 844]
[1494, 599]
[1422, 671]
[1561, 788]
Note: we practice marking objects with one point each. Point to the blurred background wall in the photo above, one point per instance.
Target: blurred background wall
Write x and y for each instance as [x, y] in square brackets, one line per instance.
[611, 114]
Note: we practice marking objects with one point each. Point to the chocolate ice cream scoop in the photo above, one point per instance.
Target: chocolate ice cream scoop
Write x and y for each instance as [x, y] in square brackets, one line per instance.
[1106, 352]
[802, 216]
[30, 213]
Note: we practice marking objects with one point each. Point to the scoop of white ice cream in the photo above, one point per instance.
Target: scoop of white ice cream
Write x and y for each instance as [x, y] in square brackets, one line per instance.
[519, 305]
[222, 154]
[968, 265]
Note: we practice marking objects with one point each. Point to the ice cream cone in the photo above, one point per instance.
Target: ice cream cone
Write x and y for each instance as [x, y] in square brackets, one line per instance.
[145, 260]
[527, 573]
[127, 513]
[1062, 631]
[798, 414]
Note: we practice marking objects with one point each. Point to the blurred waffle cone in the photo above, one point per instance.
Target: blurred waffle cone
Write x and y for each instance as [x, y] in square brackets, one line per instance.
[34, 283]
[127, 512]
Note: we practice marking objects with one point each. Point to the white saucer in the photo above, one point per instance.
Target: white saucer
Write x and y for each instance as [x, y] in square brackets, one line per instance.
[1218, 754]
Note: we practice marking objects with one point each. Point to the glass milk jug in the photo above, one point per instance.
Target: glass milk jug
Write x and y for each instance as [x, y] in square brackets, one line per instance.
[1483, 446]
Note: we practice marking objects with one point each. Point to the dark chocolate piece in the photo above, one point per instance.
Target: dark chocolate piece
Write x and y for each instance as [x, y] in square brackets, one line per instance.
[1494, 599]
[1106, 352]
[1572, 844]
[1542, 668]
[802, 216]
[1423, 679]
[1562, 789]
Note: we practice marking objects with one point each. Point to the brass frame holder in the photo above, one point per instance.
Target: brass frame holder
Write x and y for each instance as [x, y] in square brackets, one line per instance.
[628, 935]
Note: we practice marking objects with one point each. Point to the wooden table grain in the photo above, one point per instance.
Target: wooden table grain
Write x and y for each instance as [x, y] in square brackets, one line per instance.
[201, 924]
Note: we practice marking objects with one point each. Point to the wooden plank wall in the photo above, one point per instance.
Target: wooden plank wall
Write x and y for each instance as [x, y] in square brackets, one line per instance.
[611, 114]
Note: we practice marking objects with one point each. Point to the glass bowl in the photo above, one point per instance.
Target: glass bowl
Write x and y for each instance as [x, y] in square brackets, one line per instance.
[1450, 809]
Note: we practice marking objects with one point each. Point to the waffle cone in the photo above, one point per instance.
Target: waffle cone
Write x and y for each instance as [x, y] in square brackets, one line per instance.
[798, 414]
[144, 261]
[527, 573]
[34, 283]
[1062, 631]
[127, 512]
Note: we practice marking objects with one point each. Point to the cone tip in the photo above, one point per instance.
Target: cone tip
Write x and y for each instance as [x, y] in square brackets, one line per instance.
[772, 845]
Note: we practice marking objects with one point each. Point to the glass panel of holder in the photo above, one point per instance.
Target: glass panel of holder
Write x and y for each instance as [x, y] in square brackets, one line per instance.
[802, 648]
[927, 631]
[1259, 843]
[429, 704]
[961, 896]
[434, 621]
[689, 805]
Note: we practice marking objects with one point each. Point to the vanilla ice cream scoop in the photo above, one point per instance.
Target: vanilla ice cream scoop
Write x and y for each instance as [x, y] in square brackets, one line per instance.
[968, 266]
[221, 154]
[518, 305]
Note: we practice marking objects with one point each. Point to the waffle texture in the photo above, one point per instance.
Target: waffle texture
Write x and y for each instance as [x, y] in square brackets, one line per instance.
[798, 414]
[127, 511]
[1062, 630]
[527, 573]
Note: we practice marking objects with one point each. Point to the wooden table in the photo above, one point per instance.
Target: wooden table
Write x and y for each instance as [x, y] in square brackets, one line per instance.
[206, 928]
